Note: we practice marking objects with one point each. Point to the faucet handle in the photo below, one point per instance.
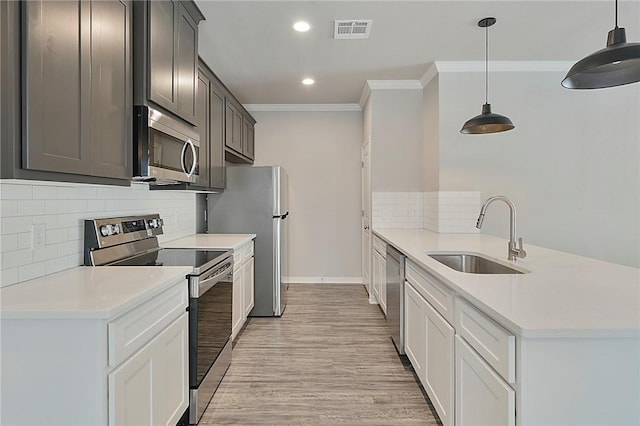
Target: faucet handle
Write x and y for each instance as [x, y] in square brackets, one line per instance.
[521, 252]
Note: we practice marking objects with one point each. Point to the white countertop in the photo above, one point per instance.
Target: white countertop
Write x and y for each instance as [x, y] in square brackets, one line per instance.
[564, 295]
[94, 292]
[211, 241]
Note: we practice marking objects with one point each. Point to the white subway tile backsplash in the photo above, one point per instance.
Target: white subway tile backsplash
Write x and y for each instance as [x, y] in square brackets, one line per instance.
[62, 208]
[11, 259]
[45, 192]
[9, 242]
[15, 225]
[9, 208]
[10, 191]
[45, 253]
[57, 264]
[24, 240]
[31, 207]
[31, 271]
[8, 276]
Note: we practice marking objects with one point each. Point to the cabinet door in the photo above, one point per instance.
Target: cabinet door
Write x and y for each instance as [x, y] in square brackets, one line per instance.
[382, 273]
[439, 366]
[111, 105]
[234, 128]
[415, 323]
[236, 307]
[248, 290]
[151, 387]
[162, 53]
[186, 65]
[375, 275]
[131, 390]
[482, 397]
[216, 134]
[171, 382]
[57, 82]
[203, 129]
[247, 137]
[250, 146]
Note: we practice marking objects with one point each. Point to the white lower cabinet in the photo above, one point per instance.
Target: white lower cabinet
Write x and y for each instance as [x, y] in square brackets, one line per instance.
[129, 369]
[248, 279]
[482, 396]
[429, 345]
[439, 368]
[150, 388]
[415, 320]
[243, 287]
[379, 272]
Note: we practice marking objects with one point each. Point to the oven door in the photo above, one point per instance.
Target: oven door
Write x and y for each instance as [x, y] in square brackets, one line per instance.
[210, 302]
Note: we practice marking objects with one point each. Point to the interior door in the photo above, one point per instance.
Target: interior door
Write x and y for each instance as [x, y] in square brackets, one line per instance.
[366, 220]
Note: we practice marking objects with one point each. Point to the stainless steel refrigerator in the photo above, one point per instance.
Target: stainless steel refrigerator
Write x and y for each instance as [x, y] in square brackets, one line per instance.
[255, 202]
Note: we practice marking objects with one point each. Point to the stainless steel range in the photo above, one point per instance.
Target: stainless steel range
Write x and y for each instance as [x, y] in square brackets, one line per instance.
[132, 241]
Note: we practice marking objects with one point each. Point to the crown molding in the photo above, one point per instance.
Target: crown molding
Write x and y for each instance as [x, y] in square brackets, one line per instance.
[503, 66]
[301, 107]
[429, 75]
[386, 85]
[393, 84]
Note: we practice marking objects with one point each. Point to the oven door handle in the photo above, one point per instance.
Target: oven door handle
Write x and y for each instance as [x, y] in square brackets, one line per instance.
[205, 285]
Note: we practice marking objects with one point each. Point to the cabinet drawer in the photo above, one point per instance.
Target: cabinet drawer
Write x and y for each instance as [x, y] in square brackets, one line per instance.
[238, 256]
[380, 246]
[436, 293]
[132, 330]
[493, 342]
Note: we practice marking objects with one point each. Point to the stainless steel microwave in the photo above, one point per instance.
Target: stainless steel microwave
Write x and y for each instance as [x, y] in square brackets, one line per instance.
[166, 150]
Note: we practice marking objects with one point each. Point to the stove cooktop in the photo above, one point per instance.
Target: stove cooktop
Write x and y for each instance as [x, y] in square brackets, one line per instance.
[200, 260]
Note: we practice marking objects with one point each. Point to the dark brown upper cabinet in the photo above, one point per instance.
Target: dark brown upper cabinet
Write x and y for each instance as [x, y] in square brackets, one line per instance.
[166, 56]
[211, 125]
[76, 88]
[239, 138]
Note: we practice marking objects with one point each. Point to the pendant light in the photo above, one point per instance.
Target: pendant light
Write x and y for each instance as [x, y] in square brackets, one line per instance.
[615, 65]
[487, 122]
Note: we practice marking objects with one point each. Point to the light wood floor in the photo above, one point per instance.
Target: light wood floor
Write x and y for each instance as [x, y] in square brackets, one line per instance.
[328, 360]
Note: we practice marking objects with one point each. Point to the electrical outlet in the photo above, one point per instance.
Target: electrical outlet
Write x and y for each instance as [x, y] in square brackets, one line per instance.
[38, 233]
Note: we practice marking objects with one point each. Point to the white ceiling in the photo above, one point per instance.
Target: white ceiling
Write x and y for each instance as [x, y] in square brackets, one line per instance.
[252, 47]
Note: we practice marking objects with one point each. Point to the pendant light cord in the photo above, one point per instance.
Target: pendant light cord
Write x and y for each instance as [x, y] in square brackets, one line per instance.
[486, 64]
[616, 13]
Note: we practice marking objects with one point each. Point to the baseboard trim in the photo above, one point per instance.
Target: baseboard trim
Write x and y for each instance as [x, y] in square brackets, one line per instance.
[323, 280]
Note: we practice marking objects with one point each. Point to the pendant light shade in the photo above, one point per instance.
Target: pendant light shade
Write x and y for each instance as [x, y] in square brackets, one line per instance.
[615, 65]
[486, 122]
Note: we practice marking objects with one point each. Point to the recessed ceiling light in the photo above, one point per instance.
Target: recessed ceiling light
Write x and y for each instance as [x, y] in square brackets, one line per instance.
[301, 26]
[308, 81]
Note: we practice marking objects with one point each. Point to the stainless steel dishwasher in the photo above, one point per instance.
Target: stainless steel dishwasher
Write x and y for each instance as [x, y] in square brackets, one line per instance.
[395, 297]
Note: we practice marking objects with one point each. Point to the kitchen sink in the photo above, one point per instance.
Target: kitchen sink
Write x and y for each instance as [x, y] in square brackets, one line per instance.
[473, 264]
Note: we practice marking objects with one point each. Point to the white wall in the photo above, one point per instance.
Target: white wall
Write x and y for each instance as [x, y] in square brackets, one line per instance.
[431, 136]
[571, 165]
[321, 153]
[62, 208]
[396, 140]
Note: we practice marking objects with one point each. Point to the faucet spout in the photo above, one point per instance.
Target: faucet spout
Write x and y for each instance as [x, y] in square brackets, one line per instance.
[515, 250]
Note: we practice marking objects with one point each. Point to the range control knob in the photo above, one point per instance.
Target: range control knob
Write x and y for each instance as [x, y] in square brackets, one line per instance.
[155, 223]
[116, 229]
[106, 230]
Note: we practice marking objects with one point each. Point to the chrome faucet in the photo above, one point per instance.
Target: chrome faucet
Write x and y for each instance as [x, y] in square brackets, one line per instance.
[515, 250]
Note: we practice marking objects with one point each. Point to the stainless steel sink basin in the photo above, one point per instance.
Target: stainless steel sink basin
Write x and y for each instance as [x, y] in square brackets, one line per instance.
[473, 264]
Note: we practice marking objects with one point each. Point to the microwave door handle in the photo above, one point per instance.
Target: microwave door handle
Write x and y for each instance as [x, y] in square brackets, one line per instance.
[195, 158]
[183, 155]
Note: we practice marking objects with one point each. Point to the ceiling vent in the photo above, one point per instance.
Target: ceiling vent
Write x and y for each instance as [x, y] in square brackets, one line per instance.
[352, 28]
